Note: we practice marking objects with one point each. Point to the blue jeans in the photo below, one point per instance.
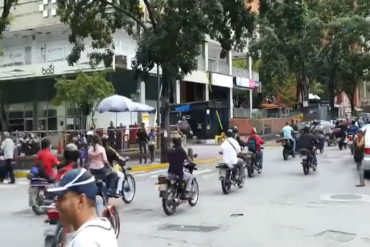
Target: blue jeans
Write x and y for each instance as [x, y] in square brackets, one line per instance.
[260, 157]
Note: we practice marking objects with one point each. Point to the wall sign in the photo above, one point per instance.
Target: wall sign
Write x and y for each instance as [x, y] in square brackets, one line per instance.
[48, 70]
[222, 80]
[245, 82]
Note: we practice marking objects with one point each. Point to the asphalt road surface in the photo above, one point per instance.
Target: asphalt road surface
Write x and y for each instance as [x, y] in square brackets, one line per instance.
[280, 207]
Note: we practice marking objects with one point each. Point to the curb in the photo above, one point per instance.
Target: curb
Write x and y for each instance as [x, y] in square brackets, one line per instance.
[135, 168]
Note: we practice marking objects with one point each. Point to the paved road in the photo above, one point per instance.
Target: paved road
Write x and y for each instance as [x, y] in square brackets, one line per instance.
[280, 207]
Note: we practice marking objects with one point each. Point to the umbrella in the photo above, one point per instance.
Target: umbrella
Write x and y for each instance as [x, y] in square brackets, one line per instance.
[115, 103]
[118, 103]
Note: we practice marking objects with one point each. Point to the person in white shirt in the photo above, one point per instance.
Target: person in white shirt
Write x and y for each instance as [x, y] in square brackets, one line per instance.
[76, 203]
[287, 135]
[8, 147]
[230, 151]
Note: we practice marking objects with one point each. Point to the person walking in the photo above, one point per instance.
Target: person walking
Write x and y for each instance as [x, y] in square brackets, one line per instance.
[359, 156]
[151, 145]
[8, 148]
[142, 138]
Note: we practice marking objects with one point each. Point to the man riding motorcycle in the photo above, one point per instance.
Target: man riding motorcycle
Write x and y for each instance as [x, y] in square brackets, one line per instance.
[237, 136]
[307, 141]
[46, 161]
[230, 151]
[254, 144]
[176, 159]
[71, 156]
[353, 128]
[287, 135]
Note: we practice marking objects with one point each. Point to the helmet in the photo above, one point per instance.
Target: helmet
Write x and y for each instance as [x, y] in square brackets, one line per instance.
[235, 129]
[230, 133]
[306, 129]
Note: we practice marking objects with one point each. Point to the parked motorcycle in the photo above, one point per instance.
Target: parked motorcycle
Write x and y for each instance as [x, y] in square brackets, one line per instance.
[307, 160]
[230, 176]
[172, 190]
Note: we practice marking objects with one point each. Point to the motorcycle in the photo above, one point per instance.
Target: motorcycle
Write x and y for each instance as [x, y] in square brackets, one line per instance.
[288, 148]
[350, 139]
[55, 235]
[253, 163]
[37, 192]
[172, 190]
[330, 139]
[342, 143]
[307, 160]
[128, 189]
[230, 176]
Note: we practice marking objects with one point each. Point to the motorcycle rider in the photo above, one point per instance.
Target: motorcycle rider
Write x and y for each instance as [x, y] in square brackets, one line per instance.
[237, 137]
[318, 133]
[116, 178]
[353, 128]
[76, 203]
[176, 158]
[71, 156]
[254, 144]
[46, 161]
[307, 141]
[287, 135]
[230, 151]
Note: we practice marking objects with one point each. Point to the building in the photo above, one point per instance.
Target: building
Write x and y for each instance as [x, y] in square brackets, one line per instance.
[35, 49]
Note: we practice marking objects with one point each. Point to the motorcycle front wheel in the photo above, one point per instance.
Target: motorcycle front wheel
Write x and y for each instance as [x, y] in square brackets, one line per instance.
[306, 169]
[194, 193]
[38, 202]
[128, 189]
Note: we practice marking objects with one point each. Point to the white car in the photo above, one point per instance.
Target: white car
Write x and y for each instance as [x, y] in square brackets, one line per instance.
[366, 161]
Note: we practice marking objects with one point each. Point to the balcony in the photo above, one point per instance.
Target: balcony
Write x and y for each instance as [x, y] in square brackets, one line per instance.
[245, 73]
[241, 112]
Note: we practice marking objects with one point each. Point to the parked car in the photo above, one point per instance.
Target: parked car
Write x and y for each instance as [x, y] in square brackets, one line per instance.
[366, 161]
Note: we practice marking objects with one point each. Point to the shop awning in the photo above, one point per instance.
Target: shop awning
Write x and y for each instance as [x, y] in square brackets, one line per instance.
[270, 106]
[183, 108]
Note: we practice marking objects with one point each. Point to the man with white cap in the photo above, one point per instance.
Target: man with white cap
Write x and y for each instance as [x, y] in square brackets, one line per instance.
[76, 199]
[8, 148]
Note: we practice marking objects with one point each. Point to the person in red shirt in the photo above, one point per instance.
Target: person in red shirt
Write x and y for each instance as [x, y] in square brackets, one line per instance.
[71, 155]
[46, 161]
[254, 143]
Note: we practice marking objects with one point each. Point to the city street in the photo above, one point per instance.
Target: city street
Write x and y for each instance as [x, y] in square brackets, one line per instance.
[280, 207]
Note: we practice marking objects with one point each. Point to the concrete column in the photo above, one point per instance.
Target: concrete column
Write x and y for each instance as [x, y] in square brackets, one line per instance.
[250, 77]
[230, 60]
[206, 56]
[142, 92]
[207, 92]
[231, 103]
[178, 92]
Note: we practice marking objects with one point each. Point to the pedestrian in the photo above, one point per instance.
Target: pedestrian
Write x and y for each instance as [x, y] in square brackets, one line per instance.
[76, 203]
[142, 139]
[359, 156]
[112, 135]
[8, 147]
[151, 145]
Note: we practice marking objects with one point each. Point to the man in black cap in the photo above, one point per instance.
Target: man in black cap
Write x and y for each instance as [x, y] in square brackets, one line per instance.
[76, 197]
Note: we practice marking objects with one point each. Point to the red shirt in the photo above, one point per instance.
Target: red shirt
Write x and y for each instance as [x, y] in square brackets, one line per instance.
[259, 141]
[48, 159]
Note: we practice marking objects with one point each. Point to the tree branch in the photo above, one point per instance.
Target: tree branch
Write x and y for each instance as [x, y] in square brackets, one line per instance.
[5, 14]
[151, 16]
[127, 13]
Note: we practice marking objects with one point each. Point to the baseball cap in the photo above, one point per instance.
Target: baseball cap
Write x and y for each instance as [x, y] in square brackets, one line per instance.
[77, 180]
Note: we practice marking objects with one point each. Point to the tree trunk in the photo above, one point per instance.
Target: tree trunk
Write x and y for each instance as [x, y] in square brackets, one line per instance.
[168, 79]
[302, 95]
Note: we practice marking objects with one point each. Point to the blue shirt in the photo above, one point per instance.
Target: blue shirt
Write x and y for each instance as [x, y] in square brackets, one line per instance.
[352, 129]
[287, 132]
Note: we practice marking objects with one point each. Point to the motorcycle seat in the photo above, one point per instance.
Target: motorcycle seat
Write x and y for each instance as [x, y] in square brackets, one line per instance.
[304, 150]
[222, 166]
[174, 177]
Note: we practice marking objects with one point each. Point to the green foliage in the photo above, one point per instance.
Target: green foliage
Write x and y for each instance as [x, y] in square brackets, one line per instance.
[83, 93]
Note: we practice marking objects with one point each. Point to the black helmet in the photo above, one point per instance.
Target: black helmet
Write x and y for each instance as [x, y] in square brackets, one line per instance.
[306, 129]
[230, 133]
[235, 129]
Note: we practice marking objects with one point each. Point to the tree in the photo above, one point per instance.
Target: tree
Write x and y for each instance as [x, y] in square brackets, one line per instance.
[81, 95]
[170, 38]
[4, 22]
[290, 43]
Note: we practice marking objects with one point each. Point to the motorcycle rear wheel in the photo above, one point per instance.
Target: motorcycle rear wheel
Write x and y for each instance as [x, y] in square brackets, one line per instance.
[169, 206]
[250, 171]
[38, 202]
[306, 169]
[285, 155]
[226, 186]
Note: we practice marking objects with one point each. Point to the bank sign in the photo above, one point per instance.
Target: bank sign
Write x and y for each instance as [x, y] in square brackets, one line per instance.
[245, 82]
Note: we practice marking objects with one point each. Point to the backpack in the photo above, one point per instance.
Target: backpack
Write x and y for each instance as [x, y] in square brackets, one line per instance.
[252, 145]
